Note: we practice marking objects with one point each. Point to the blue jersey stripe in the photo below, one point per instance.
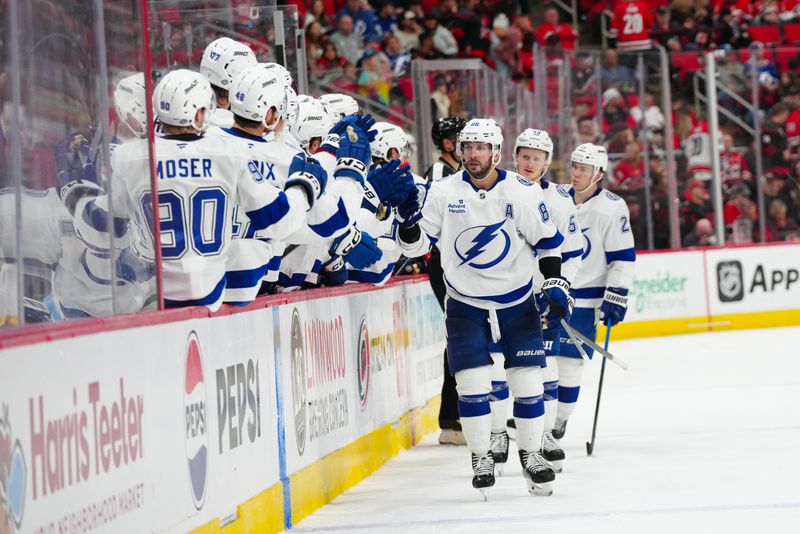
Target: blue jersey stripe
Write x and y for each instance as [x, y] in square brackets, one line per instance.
[547, 243]
[271, 213]
[505, 298]
[571, 254]
[589, 292]
[334, 223]
[245, 278]
[370, 277]
[628, 254]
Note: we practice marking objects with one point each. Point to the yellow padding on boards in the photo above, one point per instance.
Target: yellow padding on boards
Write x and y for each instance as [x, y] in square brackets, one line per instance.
[693, 325]
[322, 481]
[262, 513]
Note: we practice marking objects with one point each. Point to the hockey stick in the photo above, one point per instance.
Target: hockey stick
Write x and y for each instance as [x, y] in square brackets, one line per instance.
[590, 445]
[573, 334]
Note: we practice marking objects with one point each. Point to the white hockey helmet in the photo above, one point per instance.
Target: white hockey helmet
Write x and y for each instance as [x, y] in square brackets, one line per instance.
[254, 92]
[223, 58]
[590, 154]
[130, 98]
[280, 72]
[338, 105]
[312, 121]
[291, 106]
[179, 95]
[538, 139]
[389, 136]
[483, 131]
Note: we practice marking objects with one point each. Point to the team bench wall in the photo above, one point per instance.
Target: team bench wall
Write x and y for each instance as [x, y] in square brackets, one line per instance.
[250, 419]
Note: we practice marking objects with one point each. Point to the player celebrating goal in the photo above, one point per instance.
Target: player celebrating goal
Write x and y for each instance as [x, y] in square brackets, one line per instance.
[533, 154]
[487, 222]
[606, 272]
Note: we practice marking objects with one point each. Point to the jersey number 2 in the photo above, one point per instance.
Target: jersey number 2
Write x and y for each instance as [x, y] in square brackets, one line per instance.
[633, 23]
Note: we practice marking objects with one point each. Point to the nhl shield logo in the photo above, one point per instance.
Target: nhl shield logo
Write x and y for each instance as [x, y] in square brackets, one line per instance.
[364, 364]
[730, 284]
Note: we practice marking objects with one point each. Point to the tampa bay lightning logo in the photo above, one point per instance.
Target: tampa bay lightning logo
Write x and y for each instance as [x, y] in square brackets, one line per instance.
[482, 247]
[587, 245]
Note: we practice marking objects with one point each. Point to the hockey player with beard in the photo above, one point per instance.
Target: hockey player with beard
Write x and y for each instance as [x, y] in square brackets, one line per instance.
[533, 154]
[601, 287]
[222, 59]
[487, 222]
[445, 136]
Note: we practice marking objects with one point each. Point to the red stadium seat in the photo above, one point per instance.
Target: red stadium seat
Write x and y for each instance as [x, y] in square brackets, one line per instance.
[791, 33]
[766, 34]
[686, 61]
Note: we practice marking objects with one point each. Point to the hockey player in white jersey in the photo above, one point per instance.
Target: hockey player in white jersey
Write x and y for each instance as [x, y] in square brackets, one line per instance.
[222, 59]
[487, 222]
[533, 154]
[130, 99]
[606, 274]
[339, 105]
[200, 179]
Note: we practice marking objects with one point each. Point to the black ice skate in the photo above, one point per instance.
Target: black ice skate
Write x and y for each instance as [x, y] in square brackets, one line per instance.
[552, 452]
[483, 469]
[559, 428]
[499, 449]
[536, 472]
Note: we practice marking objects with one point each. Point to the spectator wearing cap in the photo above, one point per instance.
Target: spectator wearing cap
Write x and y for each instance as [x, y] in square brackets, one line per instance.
[614, 112]
[443, 40]
[552, 25]
[697, 206]
[614, 75]
[506, 42]
[349, 44]
[408, 31]
[374, 80]
[365, 23]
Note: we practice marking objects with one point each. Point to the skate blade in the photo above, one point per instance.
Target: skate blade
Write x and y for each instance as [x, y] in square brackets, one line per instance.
[540, 490]
[557, 465]
[484, 494]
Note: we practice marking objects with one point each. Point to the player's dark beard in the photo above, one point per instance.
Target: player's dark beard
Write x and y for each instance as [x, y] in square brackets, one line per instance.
[484, 171]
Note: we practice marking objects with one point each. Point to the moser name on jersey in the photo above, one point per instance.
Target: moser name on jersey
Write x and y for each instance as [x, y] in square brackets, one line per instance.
[184, 168]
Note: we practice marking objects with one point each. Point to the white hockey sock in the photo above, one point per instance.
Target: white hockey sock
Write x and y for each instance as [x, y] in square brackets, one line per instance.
[570, 373]
[529, 416]
[550, 380]
[473, 386]
[499, 397]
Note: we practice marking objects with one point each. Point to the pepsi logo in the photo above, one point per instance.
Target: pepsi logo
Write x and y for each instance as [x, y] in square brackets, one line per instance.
[194, 402]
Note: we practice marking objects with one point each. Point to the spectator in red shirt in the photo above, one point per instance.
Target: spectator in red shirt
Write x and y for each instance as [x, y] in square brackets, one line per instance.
[629, 171]
[552, 25]
[631, 25]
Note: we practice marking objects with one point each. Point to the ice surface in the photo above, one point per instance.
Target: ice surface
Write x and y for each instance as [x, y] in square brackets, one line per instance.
[701, 435]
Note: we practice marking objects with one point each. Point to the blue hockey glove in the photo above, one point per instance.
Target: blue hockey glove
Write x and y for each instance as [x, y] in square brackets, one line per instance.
[358, 248]
[361, 125]
[334, 273]
[391, 182]
[410, 211]
[614, 306]
[132, 267]
[556, 294]
[308, 174]
[76, 167]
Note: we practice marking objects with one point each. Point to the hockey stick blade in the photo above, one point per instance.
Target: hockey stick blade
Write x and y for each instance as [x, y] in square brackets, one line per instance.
[589, 449]
[575, 342]
[588, 342]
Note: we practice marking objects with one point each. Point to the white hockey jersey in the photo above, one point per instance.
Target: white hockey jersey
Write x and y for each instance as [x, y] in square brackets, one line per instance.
[487, 238]
[200, 180]
[608, 250]
[563, 214]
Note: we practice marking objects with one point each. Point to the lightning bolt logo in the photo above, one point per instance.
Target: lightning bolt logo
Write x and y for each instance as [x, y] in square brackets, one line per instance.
[479, 243]
[587, 247]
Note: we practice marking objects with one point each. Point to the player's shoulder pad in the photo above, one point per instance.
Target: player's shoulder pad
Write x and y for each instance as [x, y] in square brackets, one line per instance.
[524, 181]
[612, 196]
[562, 190]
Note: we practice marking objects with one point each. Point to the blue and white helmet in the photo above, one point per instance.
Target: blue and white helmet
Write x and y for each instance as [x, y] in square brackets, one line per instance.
[590, 154]
[538, 139]
[389, 136]
[338, 105]
[130, 98]
[254, 92]
[223, 59]
[483, 131]
[312, 121]
[179, 95]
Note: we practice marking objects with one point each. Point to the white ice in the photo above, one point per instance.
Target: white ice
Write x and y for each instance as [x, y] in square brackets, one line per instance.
[702, 434]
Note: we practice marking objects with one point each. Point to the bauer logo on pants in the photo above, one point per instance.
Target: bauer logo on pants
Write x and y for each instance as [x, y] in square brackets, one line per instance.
[196, 430]
[730, 284]
[299, 404]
